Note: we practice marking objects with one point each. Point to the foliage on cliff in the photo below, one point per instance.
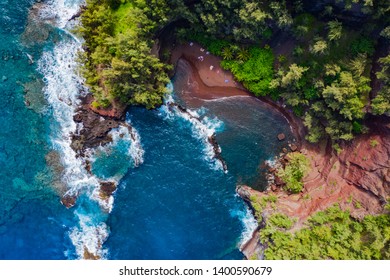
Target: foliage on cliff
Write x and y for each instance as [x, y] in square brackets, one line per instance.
[325, 78]
[330, 234]
[381, 103]
[118, 63]
[292, 174]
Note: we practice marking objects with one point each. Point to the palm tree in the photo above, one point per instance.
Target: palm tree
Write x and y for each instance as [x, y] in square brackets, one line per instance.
[227, 53]
[243, 55]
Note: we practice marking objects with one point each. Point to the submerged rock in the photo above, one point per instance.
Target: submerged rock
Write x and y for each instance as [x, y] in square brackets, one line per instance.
[68, 200]
[281, 136]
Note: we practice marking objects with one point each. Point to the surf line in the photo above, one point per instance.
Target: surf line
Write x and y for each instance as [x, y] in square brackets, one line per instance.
[208, 133]
[77, 132]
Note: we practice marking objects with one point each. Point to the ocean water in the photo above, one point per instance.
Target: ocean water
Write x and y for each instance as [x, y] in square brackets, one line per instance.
[29, 204]
[173, 200]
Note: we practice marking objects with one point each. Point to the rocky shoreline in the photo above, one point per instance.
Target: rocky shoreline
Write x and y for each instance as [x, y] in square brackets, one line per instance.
[358, 178]
[360, 172]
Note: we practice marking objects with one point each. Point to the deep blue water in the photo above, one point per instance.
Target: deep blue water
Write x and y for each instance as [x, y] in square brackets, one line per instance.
[176, 204]
[32, 221]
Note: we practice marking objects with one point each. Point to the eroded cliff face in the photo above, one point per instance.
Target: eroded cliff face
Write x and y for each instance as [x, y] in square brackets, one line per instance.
[358, 179]
[365, 163]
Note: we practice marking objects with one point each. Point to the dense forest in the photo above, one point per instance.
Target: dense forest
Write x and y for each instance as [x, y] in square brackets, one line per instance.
[328, 61]
[329, 234]
[334, 72]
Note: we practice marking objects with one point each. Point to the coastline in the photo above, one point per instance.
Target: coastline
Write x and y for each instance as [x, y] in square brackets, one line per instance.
[206, 85]
[356, 178]
[207, 81]
[326, 183]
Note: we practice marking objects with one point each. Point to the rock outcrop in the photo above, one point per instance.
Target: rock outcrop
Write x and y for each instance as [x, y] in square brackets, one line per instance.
[93, 130]
[358, 179]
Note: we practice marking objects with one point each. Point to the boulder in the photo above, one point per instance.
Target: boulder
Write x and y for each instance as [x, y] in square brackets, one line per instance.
[281, 136]
[68, 200]
[293, 147]
[107, 189]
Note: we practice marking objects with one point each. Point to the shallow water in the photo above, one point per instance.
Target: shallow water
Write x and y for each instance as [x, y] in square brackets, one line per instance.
[173, 200]
[33, 223]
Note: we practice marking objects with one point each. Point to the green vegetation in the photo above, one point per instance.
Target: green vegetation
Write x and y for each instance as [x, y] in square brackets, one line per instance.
[294, 171]
[331, 234]
[119, 66]
[253, 67]
[381, 103]
[259, 204]
[374, 143]
[324, 79]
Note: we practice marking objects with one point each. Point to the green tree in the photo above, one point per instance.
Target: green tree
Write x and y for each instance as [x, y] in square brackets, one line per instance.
[335, 30]
[381, 103]
[293, 75]
[319, 46]
[294, 171]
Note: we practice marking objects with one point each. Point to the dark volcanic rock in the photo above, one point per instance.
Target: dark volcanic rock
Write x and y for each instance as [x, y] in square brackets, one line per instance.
[94, 132]
[217, 151]
[107, 189]
[244, 192]
[278, 181]
[212, 139]
[68, 200]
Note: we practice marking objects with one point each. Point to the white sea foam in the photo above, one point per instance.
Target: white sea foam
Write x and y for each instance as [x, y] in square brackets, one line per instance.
[89, 237]
[249, 223]
[135, 152]
[203, 128]
[222, 99]
[60, 10]
[131, 137]
[62, 90]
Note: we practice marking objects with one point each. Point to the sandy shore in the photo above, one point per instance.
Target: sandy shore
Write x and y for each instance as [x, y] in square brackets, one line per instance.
[357, 179]
[205, 80]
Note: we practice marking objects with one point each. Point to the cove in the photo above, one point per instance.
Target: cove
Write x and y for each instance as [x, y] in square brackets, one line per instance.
[177, 205]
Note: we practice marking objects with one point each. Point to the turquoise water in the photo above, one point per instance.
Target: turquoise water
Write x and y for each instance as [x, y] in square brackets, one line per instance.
[29, 205]
[173, 200]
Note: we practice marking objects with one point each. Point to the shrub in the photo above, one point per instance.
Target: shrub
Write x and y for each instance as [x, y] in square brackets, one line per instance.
[294, 171]
[256, 72]
[329, 234]
[374, 143]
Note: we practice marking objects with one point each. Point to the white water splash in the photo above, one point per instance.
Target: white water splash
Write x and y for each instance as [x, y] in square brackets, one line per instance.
[135, 154]
[202, 128]
[89, 237]
[249, 223]
[62, 90]
[61, 11]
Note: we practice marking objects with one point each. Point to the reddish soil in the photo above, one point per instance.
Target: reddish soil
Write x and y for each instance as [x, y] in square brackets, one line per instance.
[358, 178]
